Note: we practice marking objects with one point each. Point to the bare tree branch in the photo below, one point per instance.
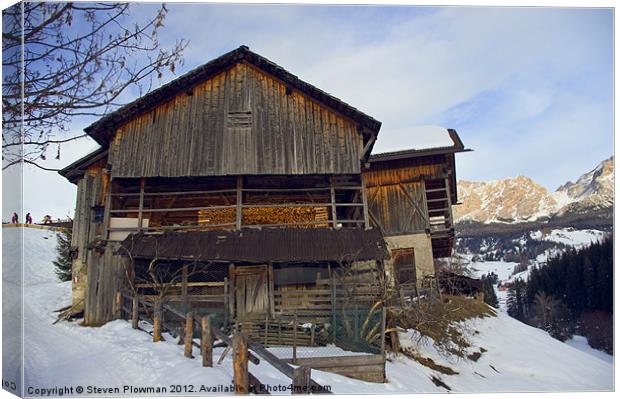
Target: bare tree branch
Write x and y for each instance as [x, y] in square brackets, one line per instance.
[63, 60]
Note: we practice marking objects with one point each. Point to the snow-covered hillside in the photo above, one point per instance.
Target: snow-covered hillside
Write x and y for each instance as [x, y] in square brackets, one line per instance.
[517, 357]
[555, 242]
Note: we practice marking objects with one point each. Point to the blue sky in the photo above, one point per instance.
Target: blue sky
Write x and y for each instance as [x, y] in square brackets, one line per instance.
[529, 89]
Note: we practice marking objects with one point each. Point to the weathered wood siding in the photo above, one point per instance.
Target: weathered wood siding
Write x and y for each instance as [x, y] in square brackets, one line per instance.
[406, 170]
[106, 276]
[91, 191]
[241, 121]
[396, 193]
[398, 208]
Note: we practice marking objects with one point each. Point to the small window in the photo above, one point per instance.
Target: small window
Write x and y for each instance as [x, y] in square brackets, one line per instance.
[404, 265]
[239, 119]
[98, 211]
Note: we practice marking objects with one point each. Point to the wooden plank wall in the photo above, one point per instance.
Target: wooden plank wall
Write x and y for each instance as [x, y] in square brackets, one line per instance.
[396, 193]
[91, 191]
[242, 121]
[106, 276]
[398, 208]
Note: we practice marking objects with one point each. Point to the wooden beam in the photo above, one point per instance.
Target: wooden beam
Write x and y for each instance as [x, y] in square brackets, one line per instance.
[157, 322]
[240, 364]
[332, 192]
[134, 313]
[206, 342]
[301, 380]
[189, 334]
[239, 204]
[141, 204]
[365, 202]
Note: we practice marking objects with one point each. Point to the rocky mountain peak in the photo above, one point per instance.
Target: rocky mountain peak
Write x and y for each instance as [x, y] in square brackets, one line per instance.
[520, 199]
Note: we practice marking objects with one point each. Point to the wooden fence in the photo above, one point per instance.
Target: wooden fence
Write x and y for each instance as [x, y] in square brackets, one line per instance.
[244, 381]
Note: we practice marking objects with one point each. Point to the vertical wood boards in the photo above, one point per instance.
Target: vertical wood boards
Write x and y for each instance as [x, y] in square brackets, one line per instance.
[241, 121]
[399, 208]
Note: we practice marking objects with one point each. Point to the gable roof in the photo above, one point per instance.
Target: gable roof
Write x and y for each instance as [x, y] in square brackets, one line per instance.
[76, 169]
[104, 127]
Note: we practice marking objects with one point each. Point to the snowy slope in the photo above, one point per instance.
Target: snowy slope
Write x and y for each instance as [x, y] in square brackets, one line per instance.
[115, 355]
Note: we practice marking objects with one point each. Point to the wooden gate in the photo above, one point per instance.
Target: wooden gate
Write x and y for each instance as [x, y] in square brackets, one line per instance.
[252, 292]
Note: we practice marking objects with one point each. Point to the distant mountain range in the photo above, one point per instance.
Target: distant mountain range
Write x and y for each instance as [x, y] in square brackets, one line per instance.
[522, 200]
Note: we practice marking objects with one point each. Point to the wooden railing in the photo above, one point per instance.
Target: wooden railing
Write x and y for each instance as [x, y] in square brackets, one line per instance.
[244, 381]
[325, 202]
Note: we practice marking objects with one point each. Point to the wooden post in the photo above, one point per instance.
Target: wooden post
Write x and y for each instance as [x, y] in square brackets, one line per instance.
[226, 302]
[272, 302]
[134, 312]
[206, 342]
[157, 322]
[266, 330]
[118, 304]
[332, 192]
[141, 204]
[189, 334]
[239, 209]
[365, 202]
[301, 380]
[295, 337]
[312, 334]
[240, 364]
[333, 293]
[184, 270]
[383, 319]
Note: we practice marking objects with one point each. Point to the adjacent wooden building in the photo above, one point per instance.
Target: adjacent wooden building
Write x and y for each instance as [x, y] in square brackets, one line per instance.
[240, 189]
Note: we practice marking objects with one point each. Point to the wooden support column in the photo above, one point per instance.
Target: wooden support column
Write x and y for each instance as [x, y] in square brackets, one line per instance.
[141, 204]
[106, 210]
[231, 290]
[240, 364]
[226, 303]
[272, 305]
[189, 334]
[301, 380]
[365, 202]
[206, 342]
[134, 313]
[184, 285]
[332, 192]
[449, 195]
[239, 209]
[383, 320]
[332, 287]
[295, 337]
[157, 312]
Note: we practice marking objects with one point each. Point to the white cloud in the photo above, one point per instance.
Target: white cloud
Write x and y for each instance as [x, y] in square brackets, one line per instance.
[521, 85]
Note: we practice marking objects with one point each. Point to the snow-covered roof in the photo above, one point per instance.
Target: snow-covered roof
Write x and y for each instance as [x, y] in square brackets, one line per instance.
[428, 140]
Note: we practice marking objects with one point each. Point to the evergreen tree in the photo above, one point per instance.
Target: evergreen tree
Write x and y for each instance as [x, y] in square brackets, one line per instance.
[516, 300]
[490, 298]
[63, 261]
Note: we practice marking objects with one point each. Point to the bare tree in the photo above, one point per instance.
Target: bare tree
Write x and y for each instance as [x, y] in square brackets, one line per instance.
[62, 60]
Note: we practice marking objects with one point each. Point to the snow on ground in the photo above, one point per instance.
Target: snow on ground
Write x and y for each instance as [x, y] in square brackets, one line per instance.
[501, 268]
[581, 343]
[115, 355]
[569, 236]
[517, 358]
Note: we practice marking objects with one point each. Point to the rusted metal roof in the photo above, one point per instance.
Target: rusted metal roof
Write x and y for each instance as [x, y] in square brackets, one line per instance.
[266, 245]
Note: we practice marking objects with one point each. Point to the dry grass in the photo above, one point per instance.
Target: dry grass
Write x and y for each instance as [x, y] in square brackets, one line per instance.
[428, 362]
[441, 320]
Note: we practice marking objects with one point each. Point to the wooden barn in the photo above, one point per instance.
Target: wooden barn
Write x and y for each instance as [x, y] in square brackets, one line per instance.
[240, 190]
